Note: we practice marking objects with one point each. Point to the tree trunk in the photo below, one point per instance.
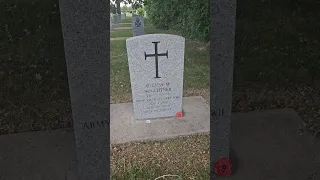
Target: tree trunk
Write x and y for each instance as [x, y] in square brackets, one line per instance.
[118, 6]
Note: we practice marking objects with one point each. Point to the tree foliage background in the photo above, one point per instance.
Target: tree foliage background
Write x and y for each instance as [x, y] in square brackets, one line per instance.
[135, 4]
[191, 18]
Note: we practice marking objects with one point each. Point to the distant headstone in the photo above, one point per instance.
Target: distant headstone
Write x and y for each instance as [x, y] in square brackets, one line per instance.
[137, 25]
[156, 65]
[87, 58]
[133, 15]
[116, 19]
[122, 16]
[222, 58]
[110, 22]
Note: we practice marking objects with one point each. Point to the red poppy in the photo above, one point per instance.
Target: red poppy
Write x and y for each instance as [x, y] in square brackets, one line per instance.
[222, 167]
[179, 114]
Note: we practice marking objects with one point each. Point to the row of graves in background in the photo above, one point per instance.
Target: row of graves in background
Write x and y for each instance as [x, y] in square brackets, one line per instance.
[117, 17]
[137, 22]
[137, 25]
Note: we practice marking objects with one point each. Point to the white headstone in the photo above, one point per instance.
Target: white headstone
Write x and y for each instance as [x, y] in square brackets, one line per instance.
[137, 25]
[116, 19]
[156, 65]
[110, 22]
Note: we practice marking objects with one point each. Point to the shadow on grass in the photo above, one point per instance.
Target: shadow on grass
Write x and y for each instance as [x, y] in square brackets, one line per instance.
[34, 87]
[277, 42]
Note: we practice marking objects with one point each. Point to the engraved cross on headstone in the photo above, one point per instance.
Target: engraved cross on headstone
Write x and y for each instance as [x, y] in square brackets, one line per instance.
[156, 55]
[137, 23]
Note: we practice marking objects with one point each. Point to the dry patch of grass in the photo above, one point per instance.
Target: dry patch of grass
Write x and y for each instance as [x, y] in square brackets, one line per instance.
[185, 156]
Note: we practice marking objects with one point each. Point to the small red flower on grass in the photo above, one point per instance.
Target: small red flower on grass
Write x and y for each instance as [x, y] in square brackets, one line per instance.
[222, 167]
[179, 114]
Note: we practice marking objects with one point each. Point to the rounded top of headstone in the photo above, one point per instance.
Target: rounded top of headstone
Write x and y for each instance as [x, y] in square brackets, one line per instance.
[148, 36]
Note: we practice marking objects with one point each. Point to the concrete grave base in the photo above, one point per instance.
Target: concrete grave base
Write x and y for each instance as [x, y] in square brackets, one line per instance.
[266, 145]
[269, 145]
[123, 128]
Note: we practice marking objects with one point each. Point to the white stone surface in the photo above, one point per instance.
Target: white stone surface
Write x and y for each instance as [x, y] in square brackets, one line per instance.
[156, 95]
[137, 25]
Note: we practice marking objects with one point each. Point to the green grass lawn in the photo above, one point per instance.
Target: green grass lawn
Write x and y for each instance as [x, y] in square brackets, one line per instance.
[126, 20]
[122, 25]
[149, 29]
[128, 33]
